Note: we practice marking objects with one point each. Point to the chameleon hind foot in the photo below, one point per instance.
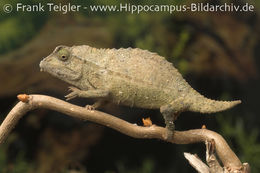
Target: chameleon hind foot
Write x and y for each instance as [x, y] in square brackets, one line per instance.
[170, 130]
[171, 112]
[169, 116]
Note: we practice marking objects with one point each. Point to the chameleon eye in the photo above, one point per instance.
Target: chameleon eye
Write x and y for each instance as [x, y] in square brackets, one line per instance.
[63, 54]
[63, 58]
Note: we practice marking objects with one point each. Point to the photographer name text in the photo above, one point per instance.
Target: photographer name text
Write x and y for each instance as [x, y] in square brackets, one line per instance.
[128, 8]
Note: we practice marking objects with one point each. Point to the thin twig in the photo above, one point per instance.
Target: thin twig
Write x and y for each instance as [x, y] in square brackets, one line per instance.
[226, 155]
[196, 163]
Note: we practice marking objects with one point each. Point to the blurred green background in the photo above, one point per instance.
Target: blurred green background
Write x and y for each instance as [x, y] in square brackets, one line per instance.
[217, 53]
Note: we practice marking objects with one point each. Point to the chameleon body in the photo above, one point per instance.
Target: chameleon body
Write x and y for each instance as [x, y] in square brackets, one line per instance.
[131, 77]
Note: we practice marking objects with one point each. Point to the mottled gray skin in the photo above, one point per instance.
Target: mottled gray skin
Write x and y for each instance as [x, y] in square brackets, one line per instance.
[131, 77]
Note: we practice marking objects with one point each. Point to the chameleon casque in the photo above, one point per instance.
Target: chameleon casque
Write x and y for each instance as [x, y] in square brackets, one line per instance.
[130, 77]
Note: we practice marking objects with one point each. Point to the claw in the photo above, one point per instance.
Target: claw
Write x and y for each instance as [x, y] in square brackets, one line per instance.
[70, 96]
[71, 88]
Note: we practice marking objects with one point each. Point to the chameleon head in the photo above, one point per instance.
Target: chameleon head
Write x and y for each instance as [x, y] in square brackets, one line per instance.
[62, 64]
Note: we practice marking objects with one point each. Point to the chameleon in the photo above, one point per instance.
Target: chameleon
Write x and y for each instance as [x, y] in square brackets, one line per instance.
[131, 77]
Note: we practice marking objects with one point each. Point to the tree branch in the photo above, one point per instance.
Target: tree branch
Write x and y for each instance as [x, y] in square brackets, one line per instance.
[31, 102]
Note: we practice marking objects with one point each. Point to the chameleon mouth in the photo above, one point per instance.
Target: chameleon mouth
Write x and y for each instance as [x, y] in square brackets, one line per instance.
[41, 66]
[60, 72]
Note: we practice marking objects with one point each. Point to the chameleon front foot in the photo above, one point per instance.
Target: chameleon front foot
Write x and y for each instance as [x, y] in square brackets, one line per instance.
[96, 105]
[94, 93]
[74, 92]
[90, 107]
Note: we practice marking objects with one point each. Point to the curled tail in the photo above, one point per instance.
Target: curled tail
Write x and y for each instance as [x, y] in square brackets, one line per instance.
[204, 105]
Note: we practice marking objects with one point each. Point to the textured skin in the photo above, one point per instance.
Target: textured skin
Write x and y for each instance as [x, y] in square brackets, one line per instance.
[131, 77]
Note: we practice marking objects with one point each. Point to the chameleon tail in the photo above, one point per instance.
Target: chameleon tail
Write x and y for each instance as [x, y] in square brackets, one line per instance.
[204, 105]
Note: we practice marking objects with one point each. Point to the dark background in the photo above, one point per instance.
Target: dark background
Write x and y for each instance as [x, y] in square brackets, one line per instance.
[217, 53]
